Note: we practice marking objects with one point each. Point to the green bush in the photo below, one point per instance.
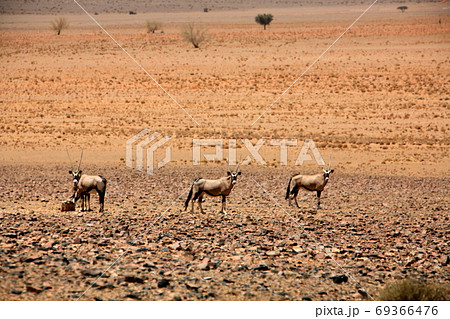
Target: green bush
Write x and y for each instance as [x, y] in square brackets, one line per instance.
[264, 19]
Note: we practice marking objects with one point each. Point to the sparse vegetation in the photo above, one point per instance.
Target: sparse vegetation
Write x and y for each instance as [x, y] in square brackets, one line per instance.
[153, 26]
[264, 19]
[59, 24]
[402, 8]
[194, 34]
[414, 290]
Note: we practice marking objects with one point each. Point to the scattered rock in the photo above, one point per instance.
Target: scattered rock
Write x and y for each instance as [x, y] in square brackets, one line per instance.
[134, 279]
[91, 272]
[363, 293]
[163, 283]
[107, 286]
[339, 279]
[261, 268]
[273, 253]
[444, 260]
[16, 292]
[228, 281]
[175, 246]
[31, 258]
[204, 265]
[147, 265]
[411, 261]
[33, 290]
[133, 296]
[192, 287]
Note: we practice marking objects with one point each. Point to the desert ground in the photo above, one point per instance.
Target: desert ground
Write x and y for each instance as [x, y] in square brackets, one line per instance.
[376, 104]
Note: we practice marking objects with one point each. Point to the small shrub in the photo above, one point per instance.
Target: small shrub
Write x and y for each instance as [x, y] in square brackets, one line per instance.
[402, 8]
[153, 26]
[194, 34]
[59, 24]
[264, 19]
[413, 290]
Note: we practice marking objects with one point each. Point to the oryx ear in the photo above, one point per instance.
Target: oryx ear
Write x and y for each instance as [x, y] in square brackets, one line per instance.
[239, 173]
[79, 172]
[332, 171]
[70, 172]
[228, 173]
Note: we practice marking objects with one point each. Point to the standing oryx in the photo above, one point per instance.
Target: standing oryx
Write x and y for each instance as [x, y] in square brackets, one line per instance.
[309, 182]
[213, 187]
[84, 185]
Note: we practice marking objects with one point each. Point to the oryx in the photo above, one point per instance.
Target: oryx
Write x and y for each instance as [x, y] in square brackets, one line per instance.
[213, 187]
[84, 185]
[309, 182]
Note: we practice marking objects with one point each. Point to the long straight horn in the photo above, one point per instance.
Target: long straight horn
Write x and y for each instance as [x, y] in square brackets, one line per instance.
[329, 164]
[71, 164]
[237, 168]
[229, 168]
[81, 157]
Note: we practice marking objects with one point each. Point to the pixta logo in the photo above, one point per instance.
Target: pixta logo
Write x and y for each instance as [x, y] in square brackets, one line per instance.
[146, 141]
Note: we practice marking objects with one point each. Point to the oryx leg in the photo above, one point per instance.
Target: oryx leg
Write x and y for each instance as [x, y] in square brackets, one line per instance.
[200, 200]
[101, 196]
[318, 198]
[83, 199]
[198, 195]
[88, 199]
[224, 204]
[295, 193]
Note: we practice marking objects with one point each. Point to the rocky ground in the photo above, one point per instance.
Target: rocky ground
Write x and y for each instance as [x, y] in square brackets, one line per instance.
[371, 231]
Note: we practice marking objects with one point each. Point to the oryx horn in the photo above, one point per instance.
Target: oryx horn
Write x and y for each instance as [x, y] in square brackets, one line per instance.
[229, 168]
[71, 164]
[81, 157]
[237, 168]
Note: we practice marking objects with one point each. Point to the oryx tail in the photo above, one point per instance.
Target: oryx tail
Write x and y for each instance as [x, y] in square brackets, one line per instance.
[288, 188]
[101, 192]
[190, 193]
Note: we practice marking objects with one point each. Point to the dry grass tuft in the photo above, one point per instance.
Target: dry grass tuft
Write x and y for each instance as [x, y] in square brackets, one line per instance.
[414, 290]
[59, 24]
[153, 26]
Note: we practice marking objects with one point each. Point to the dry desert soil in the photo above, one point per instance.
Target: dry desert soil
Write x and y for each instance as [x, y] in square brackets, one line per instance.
[376, 104]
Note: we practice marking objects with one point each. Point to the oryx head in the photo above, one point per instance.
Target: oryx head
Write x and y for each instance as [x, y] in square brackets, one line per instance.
[327, 171]
[76, 173]
[234, 174]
